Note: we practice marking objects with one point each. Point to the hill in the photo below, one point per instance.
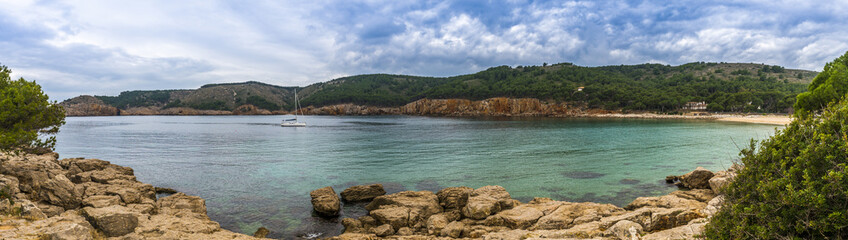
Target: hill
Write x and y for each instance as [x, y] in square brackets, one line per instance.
[646, 87]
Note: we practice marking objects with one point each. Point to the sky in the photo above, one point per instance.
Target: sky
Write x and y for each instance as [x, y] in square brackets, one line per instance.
[103, 47]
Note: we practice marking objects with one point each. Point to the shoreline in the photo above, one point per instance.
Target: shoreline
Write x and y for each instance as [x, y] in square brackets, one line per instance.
[81, 198]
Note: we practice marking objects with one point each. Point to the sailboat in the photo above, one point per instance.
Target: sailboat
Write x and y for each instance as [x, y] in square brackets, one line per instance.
[293, 122]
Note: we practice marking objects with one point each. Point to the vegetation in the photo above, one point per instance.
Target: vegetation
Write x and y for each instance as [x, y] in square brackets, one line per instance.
[128, 99]
[795, 184]
[374, 89]
[24, 113]
[827, 87]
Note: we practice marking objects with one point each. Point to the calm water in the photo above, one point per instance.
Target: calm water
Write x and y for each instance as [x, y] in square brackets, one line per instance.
[253, 173]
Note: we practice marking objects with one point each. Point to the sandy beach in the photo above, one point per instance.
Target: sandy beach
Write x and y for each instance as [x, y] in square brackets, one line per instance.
[761, 119]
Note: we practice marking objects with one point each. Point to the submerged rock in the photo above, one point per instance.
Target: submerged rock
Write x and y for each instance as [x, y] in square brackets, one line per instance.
[325, 202]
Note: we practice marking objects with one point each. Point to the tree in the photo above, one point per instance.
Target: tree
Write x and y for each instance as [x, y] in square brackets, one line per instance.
[25, 111]
[827, 87]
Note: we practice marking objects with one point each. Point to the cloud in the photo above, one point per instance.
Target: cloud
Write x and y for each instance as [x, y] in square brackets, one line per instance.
[104, 47]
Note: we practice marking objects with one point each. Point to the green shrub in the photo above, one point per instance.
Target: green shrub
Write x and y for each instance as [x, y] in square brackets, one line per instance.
[793, 186]
[25, 111]
[827, 87]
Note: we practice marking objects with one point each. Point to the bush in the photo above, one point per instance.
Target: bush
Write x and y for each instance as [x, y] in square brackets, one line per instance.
[794, 185]
[24, 113]
[829, 86]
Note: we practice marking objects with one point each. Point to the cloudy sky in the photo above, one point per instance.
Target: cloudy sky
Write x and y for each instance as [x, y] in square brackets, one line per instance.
[104, 47]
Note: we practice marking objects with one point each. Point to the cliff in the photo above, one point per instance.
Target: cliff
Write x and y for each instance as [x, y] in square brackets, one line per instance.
[86, 105]
[42, 197]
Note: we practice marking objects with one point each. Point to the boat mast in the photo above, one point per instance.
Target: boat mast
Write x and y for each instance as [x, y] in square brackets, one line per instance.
[295, 105]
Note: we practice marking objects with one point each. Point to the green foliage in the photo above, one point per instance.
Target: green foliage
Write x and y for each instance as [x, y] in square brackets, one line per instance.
[211, 105]
[373, 89]
[793, 186]
[261, 103]
[829, 86]
[25, 111]
[741, 72]
[128, 99]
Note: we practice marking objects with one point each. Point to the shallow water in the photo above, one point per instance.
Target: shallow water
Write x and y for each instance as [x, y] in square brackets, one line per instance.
[254, 173]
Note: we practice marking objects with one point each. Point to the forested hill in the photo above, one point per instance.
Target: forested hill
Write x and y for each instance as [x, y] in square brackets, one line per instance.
[724, 86]
[653, 87]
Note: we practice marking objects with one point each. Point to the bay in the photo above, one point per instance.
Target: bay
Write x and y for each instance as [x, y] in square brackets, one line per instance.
[253, 173]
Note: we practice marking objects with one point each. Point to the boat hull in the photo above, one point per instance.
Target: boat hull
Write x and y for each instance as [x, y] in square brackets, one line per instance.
[293, 124]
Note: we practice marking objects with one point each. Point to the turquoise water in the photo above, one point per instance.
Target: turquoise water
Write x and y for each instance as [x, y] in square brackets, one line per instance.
[253, 173]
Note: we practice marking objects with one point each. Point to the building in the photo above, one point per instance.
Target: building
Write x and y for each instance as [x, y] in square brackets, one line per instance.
[695, 106]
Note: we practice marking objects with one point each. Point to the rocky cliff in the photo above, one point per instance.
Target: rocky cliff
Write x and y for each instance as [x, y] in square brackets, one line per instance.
[42, 197]
[86, 105]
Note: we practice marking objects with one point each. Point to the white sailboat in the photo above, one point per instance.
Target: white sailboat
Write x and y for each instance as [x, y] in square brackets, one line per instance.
[293, 122]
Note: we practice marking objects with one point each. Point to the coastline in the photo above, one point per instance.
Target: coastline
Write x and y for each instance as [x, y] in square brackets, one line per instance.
[94, 199]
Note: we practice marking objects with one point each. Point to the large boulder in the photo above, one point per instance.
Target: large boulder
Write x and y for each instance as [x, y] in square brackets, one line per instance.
[454, 197]
[570, 214]
[384, 230]
[626, 230]
[519, 217]
[99, 201]
[362, 192]
[486, 201]
[714, 205]
[697, 179]
[720, 181]
[397, 217]
[113, 221]
[181, 202]
[689, 231]
[701, 195]
[325, 202]
[453, 229]
[419, 206]
[60, 191]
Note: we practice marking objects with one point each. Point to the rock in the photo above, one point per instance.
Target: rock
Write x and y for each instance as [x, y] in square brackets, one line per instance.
[662, 219]
[690, 231]
[384, 230]
[161, 190]
[701, 195]
[182, 202]
[325, 202]
[453, 229]
[519, 217]
[404, 231]
[367, 221]
[261, 232]
[425, 201]
[565, 216]
[49, 210]
[69, 231]
[29, 210]
[60, 191]
[454, 197]
[714, 205]
[351, 225]
[100, 201]
[131, 191]
[436, 223]
[362, 192]
[398, 217]
[9, 185]
[671, 179]
[667, 201]
[113, 221]
[626, 230]
[697, 179]
[720, 181]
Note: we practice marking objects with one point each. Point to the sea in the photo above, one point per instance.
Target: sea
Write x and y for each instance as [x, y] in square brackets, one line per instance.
[254, 173]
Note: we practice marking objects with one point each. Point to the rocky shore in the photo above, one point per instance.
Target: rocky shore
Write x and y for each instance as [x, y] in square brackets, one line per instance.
[42, 197]
[490, 213]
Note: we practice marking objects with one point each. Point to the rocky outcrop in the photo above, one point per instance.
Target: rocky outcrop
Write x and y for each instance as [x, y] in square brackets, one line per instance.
[92, 199]
[489, 107]
[362, 192]
[490, 213]
[248, 109]
[325, 202]
[696, 179]
[86, 105]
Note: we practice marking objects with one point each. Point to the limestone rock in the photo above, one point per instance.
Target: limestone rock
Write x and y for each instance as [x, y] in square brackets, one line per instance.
[662, 218]
[404, 231]
[368, 221]
[9, 185]
[701, 195]
[567, 213]
[626, 230]
[720, 181]
[714, 205]
[398, 217]
[69, 231]
[697, 179]
[384, 230]
[454, 197]
[113, 221]
[182, 202]
[61, 191]
[29, 209]
[425, 201]
[667, 201]
[49, 210]
[486, 201]
[351, 225]
[325, 201]
[689, 231]
[436, 223]
[362, 192]
[100, 201]
[519, 217]
[453, 229]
